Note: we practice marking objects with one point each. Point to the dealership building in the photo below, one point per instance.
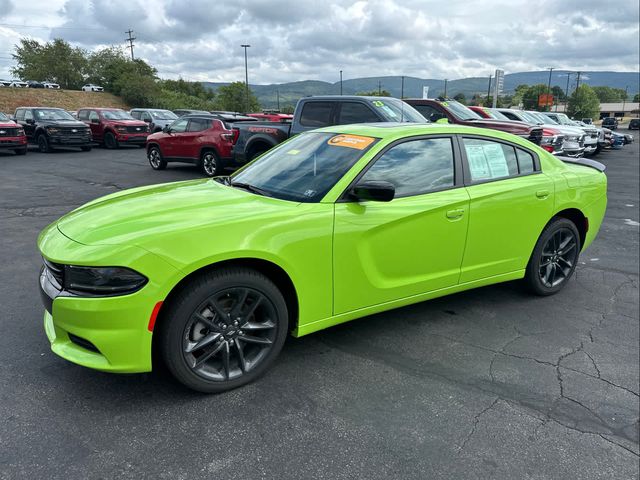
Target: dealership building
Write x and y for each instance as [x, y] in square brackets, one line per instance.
[622, 109]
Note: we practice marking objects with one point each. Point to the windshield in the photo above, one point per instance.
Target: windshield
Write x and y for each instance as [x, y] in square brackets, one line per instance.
[495, 114]
[3, 116]
[52, 114]
[305, 168]
[163, 114]
[563, 119]
[116, 115]
[460, 111]
[394, 110]
[542, 118]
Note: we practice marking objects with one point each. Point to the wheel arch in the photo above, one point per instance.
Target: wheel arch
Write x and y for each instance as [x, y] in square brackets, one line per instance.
[153, 144]
[259, 141]
[271, 270]
[579, 220]
[208, 148]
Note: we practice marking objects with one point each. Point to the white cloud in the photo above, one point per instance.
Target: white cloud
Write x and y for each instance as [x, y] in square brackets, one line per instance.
[310, 39]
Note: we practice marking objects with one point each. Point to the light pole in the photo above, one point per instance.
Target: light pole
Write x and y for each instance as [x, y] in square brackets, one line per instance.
[246, 76]
[340, 82]
[624, 100]
[549, 86]
[445, 88]
[566, 92]
[489, 88]
[402, 88]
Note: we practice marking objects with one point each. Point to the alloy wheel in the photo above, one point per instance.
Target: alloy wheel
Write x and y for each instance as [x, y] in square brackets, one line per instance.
[209, 164]
[229, 334]
[558, 257]
[154, 158]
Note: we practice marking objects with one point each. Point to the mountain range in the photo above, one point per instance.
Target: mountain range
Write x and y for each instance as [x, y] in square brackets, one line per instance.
[290, 93]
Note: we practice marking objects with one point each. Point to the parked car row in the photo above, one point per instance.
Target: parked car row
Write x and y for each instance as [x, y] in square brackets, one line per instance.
[89, 87]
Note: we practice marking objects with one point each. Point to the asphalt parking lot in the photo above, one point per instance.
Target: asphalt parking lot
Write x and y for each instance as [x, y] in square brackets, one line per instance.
[491, 383]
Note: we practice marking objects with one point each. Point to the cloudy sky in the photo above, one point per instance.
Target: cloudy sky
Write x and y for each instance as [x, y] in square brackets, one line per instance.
[314, 39]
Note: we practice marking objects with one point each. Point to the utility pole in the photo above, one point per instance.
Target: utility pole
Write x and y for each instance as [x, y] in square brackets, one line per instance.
[278, 99]
[379, 88]
[130, 39]
[624, 100]
[566, 92]
[578, 81]
[489, 88]
[246, 75]
[445, 88]
[340, 82]
[549, 86]
[402, 88]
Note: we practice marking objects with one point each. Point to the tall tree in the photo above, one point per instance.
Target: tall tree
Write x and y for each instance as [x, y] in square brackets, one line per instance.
[374, 93]
[584, 103]
[531, 95]
[233, 97]
[55, 61]
[608, 94]
[460, 98]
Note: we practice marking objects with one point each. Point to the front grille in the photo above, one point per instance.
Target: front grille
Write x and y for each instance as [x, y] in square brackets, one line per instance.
[82, 342]
[8, 132]
[535, 136]
[137, 129]
[79, 131]
[56, 271]
[581, 141]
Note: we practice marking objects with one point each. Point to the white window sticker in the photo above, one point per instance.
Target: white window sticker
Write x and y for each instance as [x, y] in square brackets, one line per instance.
[477, 162]
[496, 160]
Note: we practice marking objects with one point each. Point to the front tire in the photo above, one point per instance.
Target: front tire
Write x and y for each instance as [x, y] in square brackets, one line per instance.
[43, 144]
[209, 163]
[155, 158]
[223, 330]
[110, 141]
[21, 151]
[554, 257]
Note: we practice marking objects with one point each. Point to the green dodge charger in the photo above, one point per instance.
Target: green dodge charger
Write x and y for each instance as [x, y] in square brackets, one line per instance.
[332, 225]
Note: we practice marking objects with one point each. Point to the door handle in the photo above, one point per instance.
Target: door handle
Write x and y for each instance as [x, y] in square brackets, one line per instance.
[453, 214]
[542, 193]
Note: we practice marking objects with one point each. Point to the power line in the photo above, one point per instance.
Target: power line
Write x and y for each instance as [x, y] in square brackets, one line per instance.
[130, 39]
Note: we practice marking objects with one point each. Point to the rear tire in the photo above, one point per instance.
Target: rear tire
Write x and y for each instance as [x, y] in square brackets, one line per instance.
[209, 163]
[554, 257]
[224, 329]
[154, 155]
[110, 141]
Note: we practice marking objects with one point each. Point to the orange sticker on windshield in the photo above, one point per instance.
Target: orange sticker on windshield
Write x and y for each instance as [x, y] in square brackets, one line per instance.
[351, 141]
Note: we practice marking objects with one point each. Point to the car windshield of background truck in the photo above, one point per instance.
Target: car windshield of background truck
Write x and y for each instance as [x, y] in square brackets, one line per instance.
[305, 168]
[394, 110]
[460, 111]
[116, 115]
[52, 114]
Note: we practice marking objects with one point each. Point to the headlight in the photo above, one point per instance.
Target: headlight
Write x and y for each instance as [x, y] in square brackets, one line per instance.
[102, 280]
[53, 129]
[121, 129]
[572, 138]
[548, 140]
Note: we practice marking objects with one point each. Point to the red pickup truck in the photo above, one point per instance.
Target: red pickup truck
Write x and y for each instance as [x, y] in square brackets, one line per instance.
[113, 127]
[12, 136]
[454, 112]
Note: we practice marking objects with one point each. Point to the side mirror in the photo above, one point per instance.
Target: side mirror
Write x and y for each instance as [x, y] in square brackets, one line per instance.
[148, 120]
[30, 121]
[95, 120]
[167, 129]
[375, 190]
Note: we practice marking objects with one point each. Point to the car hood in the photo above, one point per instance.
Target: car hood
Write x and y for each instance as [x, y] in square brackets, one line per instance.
[135, 123]
[63, 123]
[565, 130]
[7, 124]
[142, 215]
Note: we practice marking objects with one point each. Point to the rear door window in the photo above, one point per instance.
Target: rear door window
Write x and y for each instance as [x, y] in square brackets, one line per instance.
[354, 112]
[316, 114]
[198, 124]
[93, 115]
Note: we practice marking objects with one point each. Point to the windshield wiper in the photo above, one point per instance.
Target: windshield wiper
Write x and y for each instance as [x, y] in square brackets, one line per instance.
[250, 188]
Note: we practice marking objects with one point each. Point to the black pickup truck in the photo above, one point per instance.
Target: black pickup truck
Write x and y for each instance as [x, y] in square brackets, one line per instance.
[51, 128]
[255, 138]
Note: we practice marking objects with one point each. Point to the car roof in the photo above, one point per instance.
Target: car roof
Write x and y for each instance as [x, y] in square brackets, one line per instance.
[101, 108]
[347, 97]
[40, 108]
[150, 110]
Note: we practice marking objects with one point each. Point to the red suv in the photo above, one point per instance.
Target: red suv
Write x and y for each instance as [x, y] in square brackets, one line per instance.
[12, 136]
[203, 140]
[113, 127]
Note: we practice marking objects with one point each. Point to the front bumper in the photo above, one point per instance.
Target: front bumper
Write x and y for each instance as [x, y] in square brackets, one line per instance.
[132, 139]
[11, 143]
[70, 141]
[104, 333]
